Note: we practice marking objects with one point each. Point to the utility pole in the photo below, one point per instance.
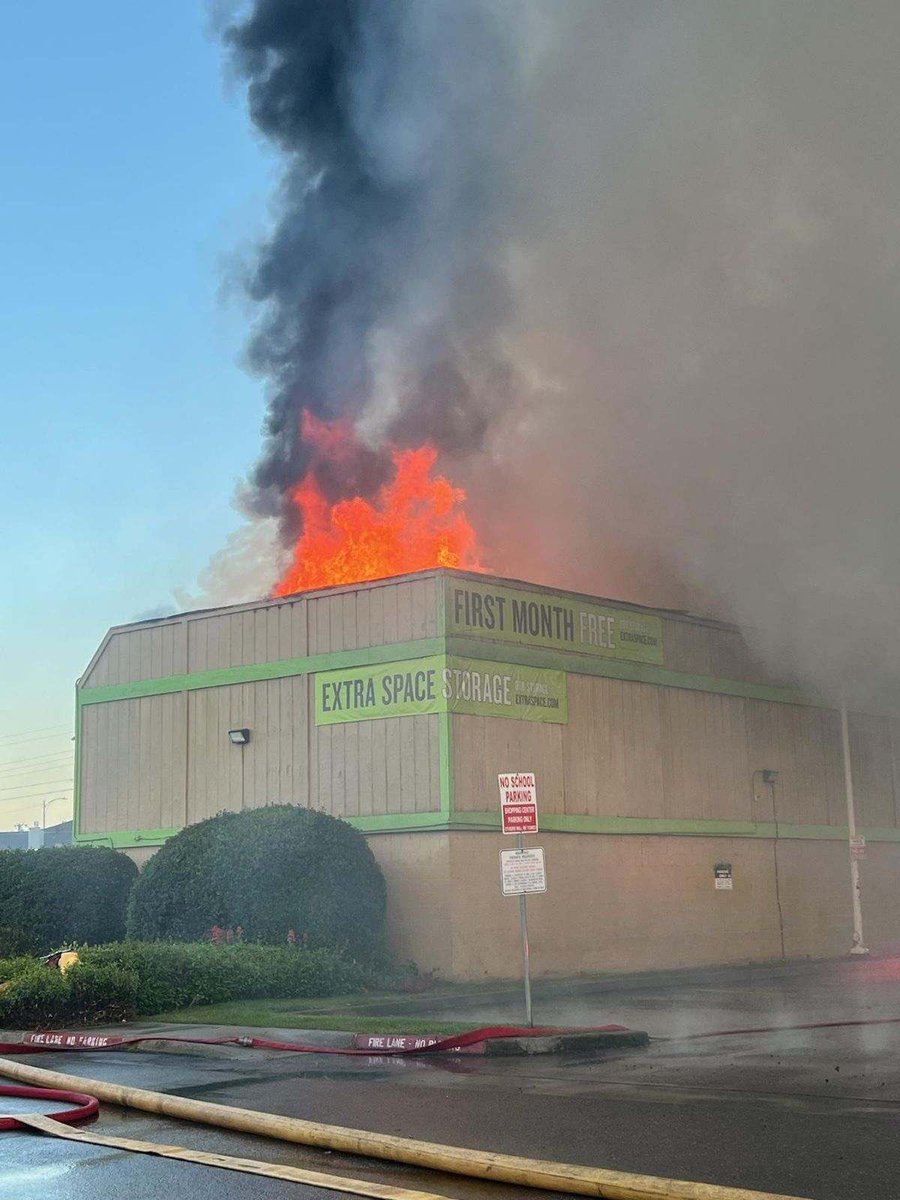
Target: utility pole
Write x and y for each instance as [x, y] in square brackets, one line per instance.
[859, 946]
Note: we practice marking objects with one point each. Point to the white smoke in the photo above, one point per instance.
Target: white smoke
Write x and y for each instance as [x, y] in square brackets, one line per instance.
[710, 279]
[688, 214]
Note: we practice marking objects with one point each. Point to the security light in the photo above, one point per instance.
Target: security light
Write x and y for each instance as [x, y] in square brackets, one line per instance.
[239, 737]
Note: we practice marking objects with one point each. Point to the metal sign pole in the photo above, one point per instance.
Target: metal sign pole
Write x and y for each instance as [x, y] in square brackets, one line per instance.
[526, 954]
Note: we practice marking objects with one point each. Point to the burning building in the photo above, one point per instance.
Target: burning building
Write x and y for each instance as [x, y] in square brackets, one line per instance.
[668, 766]
[694, 338]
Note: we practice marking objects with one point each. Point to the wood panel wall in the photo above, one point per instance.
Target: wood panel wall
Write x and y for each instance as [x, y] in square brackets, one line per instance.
[163, 761]
[271, 631]
[133, 764]
[639, 750]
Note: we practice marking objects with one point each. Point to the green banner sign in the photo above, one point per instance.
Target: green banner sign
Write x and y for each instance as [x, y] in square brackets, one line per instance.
[441, 684]
[522, 618]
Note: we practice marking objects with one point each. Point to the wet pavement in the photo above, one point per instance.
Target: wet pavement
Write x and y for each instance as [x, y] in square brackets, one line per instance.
[806, 1112]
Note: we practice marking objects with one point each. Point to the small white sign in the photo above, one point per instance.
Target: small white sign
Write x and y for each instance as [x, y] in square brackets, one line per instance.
[518, 802]
[522, 871]
[724, 877]
[858, 847]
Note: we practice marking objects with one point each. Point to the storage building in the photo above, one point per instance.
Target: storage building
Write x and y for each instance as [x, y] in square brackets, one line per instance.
[668, 767]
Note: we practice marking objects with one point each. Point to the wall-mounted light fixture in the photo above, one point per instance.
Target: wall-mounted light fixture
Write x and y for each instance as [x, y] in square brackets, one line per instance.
[239, 737]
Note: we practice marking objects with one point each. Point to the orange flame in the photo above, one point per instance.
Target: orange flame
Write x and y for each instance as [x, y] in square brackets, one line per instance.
[415, 520]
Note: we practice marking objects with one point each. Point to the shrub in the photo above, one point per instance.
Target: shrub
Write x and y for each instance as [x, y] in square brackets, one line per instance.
[62, 894]
[270, 871]
[173, 975]
[119, 981]
[42, 997]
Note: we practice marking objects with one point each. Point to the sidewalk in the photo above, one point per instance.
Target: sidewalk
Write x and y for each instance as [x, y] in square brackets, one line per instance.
[674, 1003]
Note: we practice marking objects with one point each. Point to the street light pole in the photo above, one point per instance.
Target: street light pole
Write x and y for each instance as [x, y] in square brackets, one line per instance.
[45, 804]
[858, 946]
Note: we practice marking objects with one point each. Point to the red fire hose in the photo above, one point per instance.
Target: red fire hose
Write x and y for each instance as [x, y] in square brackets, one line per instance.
[42, 1043]
[86, 1110]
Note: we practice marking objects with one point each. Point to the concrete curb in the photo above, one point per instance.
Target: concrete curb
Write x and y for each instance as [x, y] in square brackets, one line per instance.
[565, 1043]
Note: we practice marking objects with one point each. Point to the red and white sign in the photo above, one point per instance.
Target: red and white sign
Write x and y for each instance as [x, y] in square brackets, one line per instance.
[858, 847]
[518, 802]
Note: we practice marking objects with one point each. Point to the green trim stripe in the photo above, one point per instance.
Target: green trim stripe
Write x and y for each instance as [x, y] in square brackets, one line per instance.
[576, 664]
[257, 672]
[445, 720]
[126, 839]
[661, 826]
[579, 664]
[489, 822]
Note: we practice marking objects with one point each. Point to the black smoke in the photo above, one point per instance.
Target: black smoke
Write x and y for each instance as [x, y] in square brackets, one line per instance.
[381, 288]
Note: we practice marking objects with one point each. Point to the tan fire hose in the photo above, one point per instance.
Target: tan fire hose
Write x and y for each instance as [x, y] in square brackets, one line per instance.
[455, 1160]
[248, 1166]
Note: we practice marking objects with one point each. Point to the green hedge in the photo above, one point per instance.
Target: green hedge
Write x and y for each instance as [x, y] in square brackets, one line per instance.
[42, 997]
[61, 895]
[177, 975]
[127, 979]
[273, 873]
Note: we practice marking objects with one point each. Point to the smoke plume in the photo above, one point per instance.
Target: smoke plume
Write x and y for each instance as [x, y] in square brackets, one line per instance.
[633, 266]
[381, 286]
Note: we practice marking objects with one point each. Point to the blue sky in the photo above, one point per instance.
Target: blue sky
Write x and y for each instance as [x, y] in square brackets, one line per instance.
[131, 179]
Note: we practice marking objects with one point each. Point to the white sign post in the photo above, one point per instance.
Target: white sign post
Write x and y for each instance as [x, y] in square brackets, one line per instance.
[521, 870]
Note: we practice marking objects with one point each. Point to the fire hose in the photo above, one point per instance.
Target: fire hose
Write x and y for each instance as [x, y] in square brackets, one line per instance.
[456, 1160]
[42, 1043]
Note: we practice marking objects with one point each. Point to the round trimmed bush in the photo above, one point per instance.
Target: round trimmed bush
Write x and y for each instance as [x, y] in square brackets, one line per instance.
[274, 873]
[61, 895]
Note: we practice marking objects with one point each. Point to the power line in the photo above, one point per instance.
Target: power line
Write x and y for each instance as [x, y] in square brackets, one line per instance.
[48, 779]
[45, 737]
[38, 729]
[37, 768]
[11, 762]
[43, 789]
[23, 809]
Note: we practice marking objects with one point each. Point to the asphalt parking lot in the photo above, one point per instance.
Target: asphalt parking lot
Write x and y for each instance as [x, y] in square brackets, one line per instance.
[803, 1112]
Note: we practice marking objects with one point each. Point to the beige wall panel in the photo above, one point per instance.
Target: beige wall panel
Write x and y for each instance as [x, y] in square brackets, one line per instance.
[352, 768]
[613, 903]
[375, 615]
[894, 728]
[379, 767]
[814, 889]
[629, 903]
[416, 871]
[706, 772]
[611, 749]
[145, 652]
[133, 764]
[393, 767]
[705, 650]
[426, 796]
[485, 746]
[871, 758]
[215, 778]
[271, 769]
[365, 782]
[803, 745]
[270, 633]
[688, 647]
[141, 855]
[371, 768]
